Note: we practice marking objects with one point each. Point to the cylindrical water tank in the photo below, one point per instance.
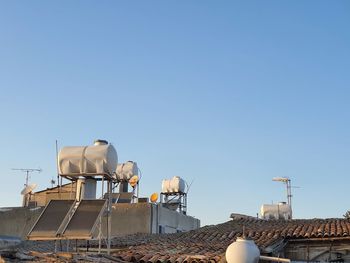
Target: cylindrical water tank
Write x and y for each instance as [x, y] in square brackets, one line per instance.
[276, 211]
[127, 170]
[173, 185]
[87, 160]
[242, 251]
[166, 185]
[177, 185]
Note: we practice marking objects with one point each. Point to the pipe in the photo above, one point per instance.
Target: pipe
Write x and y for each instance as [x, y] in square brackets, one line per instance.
[275, 259]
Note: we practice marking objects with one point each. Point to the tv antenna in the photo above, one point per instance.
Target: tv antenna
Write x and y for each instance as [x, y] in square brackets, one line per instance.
[27, 171]
[52, 181]
[288, 183]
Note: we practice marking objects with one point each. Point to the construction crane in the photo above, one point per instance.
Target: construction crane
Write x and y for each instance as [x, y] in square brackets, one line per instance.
[27, 171]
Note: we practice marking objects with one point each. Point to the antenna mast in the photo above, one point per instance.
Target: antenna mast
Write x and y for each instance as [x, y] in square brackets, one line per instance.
[27, 171]
[288, 183]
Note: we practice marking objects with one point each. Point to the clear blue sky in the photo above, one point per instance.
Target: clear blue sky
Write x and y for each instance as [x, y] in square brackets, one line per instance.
[227, 93]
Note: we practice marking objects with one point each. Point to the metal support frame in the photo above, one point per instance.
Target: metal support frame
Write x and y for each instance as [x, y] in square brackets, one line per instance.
[135, 193]
[108, 210]
[109, 215]
[179, 197]
[100, 177]
[123, 188]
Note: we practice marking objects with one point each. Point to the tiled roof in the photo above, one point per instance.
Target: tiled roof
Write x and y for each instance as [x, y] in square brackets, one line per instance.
[209, 243]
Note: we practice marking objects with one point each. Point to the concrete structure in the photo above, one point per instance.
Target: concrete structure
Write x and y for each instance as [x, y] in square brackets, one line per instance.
[126, 219]
[169, 221]
[17, 221]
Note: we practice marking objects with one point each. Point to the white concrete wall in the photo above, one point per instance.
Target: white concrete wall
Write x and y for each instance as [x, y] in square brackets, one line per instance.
[126, 219]
[172, 221]
[130, 219]
[17, 221]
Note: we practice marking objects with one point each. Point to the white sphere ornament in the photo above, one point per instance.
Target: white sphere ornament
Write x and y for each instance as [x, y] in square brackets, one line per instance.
[242, 251]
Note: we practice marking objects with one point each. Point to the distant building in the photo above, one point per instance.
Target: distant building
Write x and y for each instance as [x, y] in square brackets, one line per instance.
[42, 198]
[127, 217]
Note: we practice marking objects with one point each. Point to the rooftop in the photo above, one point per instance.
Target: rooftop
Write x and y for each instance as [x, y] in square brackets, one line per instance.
[210, 242]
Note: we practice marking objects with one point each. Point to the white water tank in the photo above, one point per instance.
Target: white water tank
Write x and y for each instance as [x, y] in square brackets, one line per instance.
[87, 160]
[127, 170]
[173, 185]
[242, 251]
[276, 211]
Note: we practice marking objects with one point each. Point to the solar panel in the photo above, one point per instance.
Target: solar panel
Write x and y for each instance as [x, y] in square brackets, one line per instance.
[50, 220]
[83, 222]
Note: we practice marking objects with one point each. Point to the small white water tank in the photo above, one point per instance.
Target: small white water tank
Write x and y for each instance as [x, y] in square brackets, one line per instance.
[276, 211]
[173, 185]
[242, 251]
[87, 160]
[127, 170]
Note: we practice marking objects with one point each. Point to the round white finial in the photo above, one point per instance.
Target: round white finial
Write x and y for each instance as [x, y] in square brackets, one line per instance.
[242, 251]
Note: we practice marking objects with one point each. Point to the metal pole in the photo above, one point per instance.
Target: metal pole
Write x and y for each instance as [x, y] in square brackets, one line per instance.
[100, 227]
[109, 217]
[102, 186]
[274, 259]
[58, 176]
[289, 195]
[27, 177]
[138, 191]
[71, 190]
[100, 235]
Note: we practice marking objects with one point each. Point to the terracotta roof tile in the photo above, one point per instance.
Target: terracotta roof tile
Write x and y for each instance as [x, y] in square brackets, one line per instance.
[208, 244]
